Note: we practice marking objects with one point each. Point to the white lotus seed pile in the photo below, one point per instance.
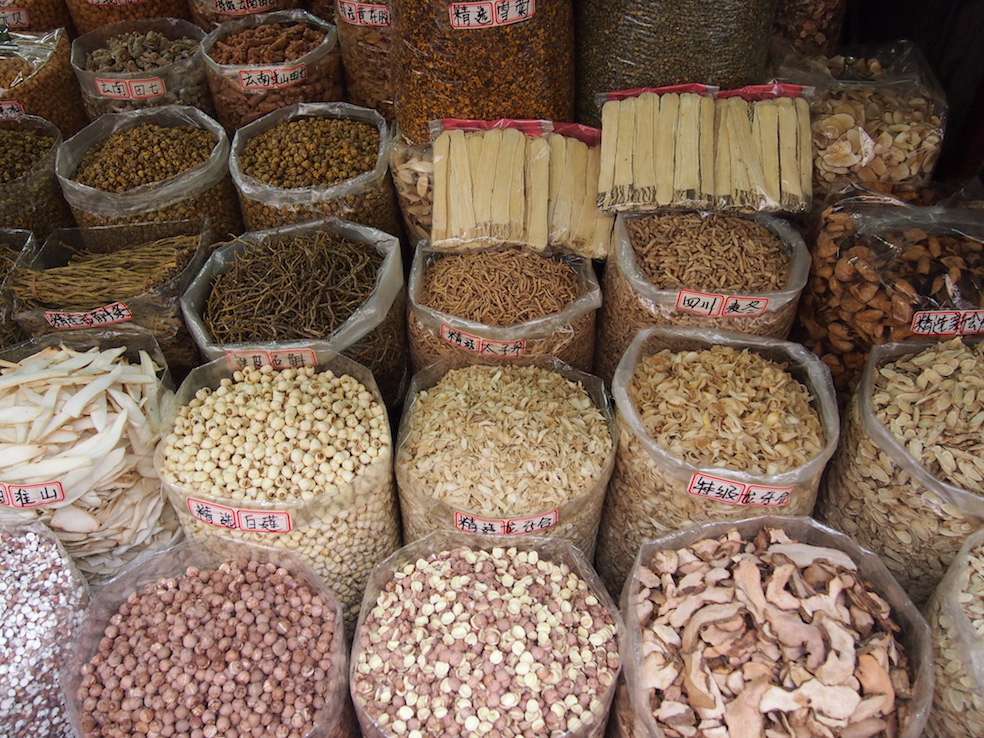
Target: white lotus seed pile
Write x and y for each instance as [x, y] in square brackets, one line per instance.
[496, 643]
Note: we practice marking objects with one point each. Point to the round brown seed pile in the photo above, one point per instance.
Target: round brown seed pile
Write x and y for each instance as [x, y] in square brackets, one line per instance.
[21, 150]
[311, 151]
[270, 43]
[242, 650]
[142, 155]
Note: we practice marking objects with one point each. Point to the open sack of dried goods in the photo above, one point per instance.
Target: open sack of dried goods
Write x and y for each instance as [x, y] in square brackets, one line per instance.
[347, 150]
[699, 269]
[810, 26]
[78, 436]
[154, 164]
[539, 451]
[711, 426]
[412, 169]
[692, 146]
[622, 44]
[514, 636]
[12, 241]
[366, 37]
[531, 183]
[43, 599]
[908, 478]
[282, 296]
[37, 15]
[956, 620]
[261, 63]
[36, 79]
[296, 459]
[88, 15]
[774, 627]
[190, 641]
[30, 197]
[461, 59]
[139, 64]
[539, 306]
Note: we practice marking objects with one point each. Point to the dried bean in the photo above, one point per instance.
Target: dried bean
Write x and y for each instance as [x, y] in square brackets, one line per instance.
[365, 33]
[88, 15]
[37, 15]
[813, 26]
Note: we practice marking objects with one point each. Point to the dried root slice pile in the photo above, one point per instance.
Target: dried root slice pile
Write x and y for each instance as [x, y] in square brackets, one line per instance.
[686, 149]
[768, 637]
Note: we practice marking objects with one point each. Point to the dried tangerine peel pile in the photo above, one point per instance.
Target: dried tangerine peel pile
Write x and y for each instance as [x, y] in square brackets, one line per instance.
[727, 408]
[768, 637]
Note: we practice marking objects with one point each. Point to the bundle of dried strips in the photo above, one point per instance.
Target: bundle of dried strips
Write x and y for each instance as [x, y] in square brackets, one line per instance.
[575, 223]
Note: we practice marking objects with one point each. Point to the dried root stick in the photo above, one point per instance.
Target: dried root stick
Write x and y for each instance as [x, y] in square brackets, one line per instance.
[537, 193]
[789, 168]
[766, 125]
[665, 147]
[685, 170]
[623, 184]
[439, 218]
[644, 163]
[485, 178]
[609, 141]
[706, 144]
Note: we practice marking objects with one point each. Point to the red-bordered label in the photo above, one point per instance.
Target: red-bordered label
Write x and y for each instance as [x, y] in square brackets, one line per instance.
[133, 89]
[230, 518]
[244, 7]
[272, 78]
[699, 303]
[363, 14]
[117, 312]
[948, 323]
[217, 515]
[737, 493]
[11, 109]
[490, 14]
[116, 2]
[744, 307]
[15, 17]
[280, 359]
[31, 495]
[482, 346]
[530, 524]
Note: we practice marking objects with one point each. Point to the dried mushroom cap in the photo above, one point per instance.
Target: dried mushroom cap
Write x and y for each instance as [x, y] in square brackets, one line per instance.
[768, 637]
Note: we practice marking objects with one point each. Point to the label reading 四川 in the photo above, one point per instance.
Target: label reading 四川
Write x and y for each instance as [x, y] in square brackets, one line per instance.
[720, 306]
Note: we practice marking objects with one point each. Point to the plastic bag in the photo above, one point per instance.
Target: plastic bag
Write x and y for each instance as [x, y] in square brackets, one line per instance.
[626, 43]
[914, 637]
[412, 169]
[878, 493]
[37, 15]
[811, 26]
[88, 16]
[156, 308]
[179, 83]
[341, 533]
[36, 79]
[632, 302]
[552, 550]
[324, 9]
[878, 114]
[43, 598]
[574, 519]
[34, 200]
[175, 562]
[209, 14]
[375, 335]
[654, 491]
[472, 61]
[245, 92]
[204, 190]
[365, 33]
[11, 244]
[567, 335]
[366, 199]
[958, 646]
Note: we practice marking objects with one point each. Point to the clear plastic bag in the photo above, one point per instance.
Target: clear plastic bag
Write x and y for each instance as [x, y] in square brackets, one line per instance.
[245, 92]
[156, 308]
[412, 169]
[882, 496]
[34, 200]
[654, 492]
[204, 190]
[548, 549]
[375, 335]
[365, 33]
[633, 303]
[179, 83]
[575, 519]
[36, 79]
[174, 562]
[12, 241]
[478, 62]
[209, 14]
[958, 646]
[811, 26]
[568, 335]
[341, 533]
[915, 636]
[367, 199]
[37, 15]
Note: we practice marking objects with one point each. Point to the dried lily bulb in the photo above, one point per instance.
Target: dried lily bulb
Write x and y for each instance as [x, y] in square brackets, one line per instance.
[77, 437]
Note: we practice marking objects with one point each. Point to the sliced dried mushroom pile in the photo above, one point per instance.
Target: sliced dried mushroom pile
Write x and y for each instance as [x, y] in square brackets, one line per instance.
[727, 408]
[768, 637]
[933, 403]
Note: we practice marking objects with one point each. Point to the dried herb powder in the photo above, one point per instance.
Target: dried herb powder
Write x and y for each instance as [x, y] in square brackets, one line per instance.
[143, 154]
[139, 52]
[21, 151]
[269, 43]
[291, 288]
[308, 152]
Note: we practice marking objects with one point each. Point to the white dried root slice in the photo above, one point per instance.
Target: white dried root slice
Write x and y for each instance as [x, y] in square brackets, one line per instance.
[89, 421]
[768, 637]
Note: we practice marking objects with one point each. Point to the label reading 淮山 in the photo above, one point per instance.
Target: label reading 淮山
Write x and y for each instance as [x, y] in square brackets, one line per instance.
[133, 89]
[282, 359]
[230, 518]
[482, 346]
[363, 14]
[116, 312]
[31, 495]
[948, 322]
[505, 526]
[737, 493]
[490, 14]
[720, 306]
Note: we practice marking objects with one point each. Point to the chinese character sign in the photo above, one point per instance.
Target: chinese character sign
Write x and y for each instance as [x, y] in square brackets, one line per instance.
[117, 312]
[948, 322]
[282, 359]
[11, 109]
[15, 17]
[363, 14]
[509, 527]
[490, 14]
[724, 306]
[31, 495]
[256, 521]
[737, 493]
[273, 78]
[482, 346]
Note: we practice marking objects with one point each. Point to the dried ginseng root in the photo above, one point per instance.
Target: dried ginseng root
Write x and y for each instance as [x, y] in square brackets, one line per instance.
[765, 637]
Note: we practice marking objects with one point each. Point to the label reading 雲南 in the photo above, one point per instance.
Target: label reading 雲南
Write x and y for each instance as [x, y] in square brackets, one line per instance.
[737, 493]
[505, 526]
[720, 306]
[133, 89]
[948, 322]
[363, 14]
[490, 14]
[282, 359]
[273, 78]
[482, 346]
[230, 518]
[117, 312]
[31, 495]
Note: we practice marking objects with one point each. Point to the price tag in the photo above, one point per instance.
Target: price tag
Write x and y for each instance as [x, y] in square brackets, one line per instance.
[230, 518]
[699, 303]
[737, 493]
[31, 495]
[134, 89]
[948, 322]
[273, 78]
[490, 14]
[117, 312]
[244, 7]
[116, 2]
[15, 17]
[362, 14]
[505, 527]
[281, 359]
[482, 346]
[11, 109]
[744, 307]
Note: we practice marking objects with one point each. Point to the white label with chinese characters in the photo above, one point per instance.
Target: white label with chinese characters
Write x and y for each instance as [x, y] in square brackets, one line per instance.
[720, 306]
[505, 527]
[15, 17]
[948, 323]
[118, 312]
[116, 2]
[230, 518]
[737, 493]
[482, 346]
[244, 7]
[490, 14]
[699, 303]
[134, 89]
[363, 14]
[31, 495]
[11, 109]
[272, 79]
[281, 359]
